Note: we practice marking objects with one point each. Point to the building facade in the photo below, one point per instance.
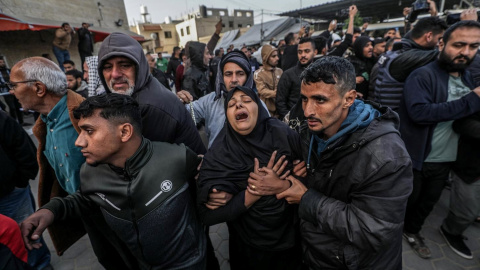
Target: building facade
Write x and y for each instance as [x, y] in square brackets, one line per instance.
[201, 23]
[104, 15]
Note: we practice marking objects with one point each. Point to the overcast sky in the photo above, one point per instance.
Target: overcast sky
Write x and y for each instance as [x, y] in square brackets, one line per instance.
[159, 9]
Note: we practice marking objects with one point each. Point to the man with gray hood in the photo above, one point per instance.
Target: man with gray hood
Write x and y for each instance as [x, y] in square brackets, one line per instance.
[123, 69]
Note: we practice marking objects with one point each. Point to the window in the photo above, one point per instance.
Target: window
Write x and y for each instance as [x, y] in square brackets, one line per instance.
[188, 30]
[181, 32]
[222, 13]
[249, 25]
[239, 25]
[230, 24]
[248, 14]
[209, 13]
[223, 25]
[168, 34]
[239, 14]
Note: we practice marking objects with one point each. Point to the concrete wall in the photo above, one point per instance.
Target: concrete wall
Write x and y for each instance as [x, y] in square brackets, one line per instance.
[16, 45]
[70, 11]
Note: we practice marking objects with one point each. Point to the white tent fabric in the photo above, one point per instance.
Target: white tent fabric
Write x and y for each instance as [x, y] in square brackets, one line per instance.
[271, 29]
[227, 39]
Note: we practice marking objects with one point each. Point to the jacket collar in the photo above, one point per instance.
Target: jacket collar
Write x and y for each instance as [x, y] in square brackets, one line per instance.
[135, 163]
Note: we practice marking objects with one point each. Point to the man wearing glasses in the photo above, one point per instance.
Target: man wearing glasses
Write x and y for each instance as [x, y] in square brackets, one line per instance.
[40, 85]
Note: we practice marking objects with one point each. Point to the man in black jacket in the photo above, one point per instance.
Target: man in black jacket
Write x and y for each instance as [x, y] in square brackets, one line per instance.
[145, 194]
[124, 69]
[18, 165]
[85, 42]
[195, 79]
[434, 96]
[394, 67]
[359, 175]
[288, 90]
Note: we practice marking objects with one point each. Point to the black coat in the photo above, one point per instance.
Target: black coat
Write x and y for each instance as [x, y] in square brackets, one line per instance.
[468, 159]
[195, 79]
[352, 214]
[288, 90]
[85, 40]
[18, 159]
[164, 117]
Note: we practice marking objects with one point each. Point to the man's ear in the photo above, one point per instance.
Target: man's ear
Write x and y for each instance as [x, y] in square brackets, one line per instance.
[127, 132]
[349, 98]
[428, 36]
[40, 89]
[441, 45]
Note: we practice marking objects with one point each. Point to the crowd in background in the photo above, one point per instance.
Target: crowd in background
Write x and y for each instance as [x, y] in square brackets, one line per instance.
[324, 152]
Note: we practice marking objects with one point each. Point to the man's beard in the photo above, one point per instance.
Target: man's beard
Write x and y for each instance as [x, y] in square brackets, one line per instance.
[75, 86]
[306, 64]
[128, 92]
[450, 66]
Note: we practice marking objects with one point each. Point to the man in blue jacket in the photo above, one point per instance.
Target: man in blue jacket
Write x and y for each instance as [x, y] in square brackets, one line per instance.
[434, 96]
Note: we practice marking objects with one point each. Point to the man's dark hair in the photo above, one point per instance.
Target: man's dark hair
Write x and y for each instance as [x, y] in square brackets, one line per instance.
[2, 57]
[159, 54]
[65, 23]
[428, 24]
[289, 38]
[306, 40]
[389, 43]
[75, 73]
[357, 30]
[331, 70]
[217, 52]
[176, 48]
[116, 108]
[460, 24]
[320, 43]
[69, 62]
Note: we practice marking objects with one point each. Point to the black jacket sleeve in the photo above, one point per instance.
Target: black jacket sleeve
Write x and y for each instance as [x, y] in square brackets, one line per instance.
[410, 60]
[283, 89]
[17, 155]
[71, 207]
[468, 126]
[342, 47]
[372, 214]
[229, 212]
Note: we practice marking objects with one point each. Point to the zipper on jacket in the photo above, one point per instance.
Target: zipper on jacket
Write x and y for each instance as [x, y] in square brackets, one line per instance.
[132, 210]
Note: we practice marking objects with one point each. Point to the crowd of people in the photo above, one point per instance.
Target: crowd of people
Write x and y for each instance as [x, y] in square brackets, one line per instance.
[322, 156]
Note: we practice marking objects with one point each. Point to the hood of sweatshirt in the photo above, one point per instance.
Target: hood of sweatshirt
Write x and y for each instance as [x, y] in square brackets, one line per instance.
[119, 44]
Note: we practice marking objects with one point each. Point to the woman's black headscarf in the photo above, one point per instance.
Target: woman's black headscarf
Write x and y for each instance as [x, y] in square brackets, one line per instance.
[227, 164]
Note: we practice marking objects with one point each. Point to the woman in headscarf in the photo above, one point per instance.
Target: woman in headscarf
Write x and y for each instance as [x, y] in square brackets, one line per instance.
[90, 74]
[263, 230]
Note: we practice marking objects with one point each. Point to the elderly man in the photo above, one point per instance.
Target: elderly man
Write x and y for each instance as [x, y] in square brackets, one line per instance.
[123, 69]
[359, 175]
[41, 86]
[144, 193]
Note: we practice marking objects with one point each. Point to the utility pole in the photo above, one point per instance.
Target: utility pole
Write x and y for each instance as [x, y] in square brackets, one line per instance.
[261, 30]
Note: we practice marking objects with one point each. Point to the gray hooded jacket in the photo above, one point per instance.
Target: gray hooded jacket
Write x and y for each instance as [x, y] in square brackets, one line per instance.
[164, 117]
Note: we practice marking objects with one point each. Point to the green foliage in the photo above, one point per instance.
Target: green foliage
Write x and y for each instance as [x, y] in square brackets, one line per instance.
[357, 21]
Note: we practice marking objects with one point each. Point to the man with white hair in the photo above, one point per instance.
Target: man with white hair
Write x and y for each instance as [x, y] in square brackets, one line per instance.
[40, 85]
